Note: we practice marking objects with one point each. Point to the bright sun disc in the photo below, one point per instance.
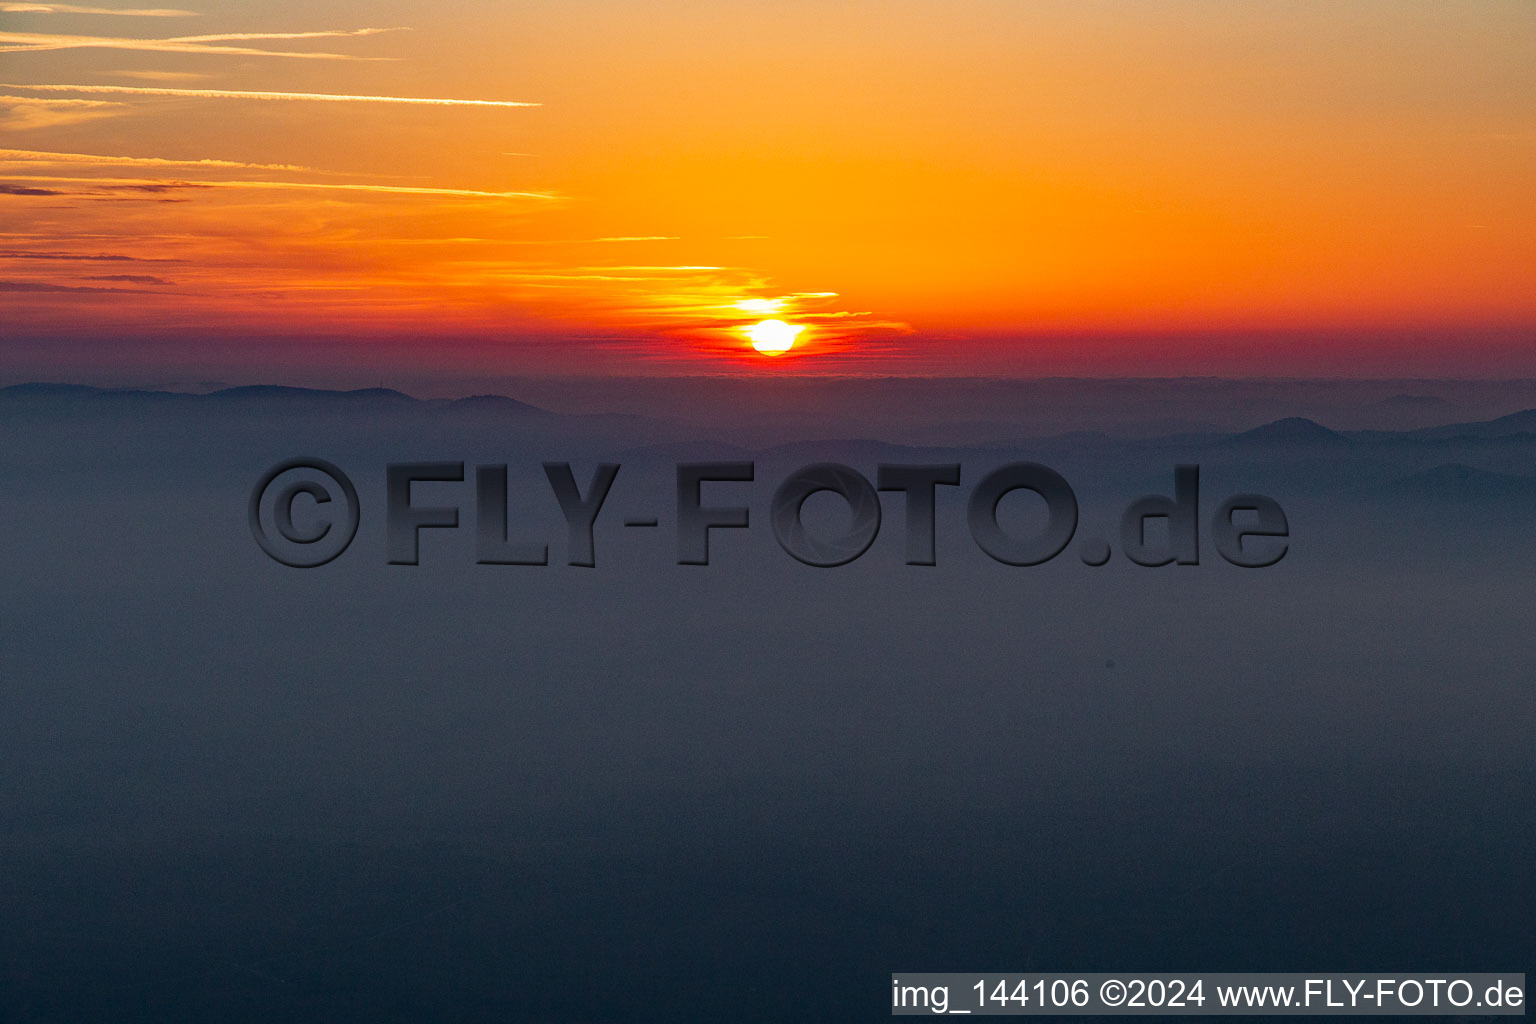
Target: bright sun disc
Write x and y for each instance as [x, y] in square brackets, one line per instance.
[773, 335]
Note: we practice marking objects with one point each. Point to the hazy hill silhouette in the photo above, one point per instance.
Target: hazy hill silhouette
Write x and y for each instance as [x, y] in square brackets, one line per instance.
[1296, 431]
[1455, 482]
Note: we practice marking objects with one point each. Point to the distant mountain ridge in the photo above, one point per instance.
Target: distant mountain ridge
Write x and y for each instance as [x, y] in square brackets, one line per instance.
[281, 391]
[1523, 422]
[1288, 432]
[257, 393]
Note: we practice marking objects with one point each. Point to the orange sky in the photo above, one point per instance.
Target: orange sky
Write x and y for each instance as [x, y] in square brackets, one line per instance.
[954, 187]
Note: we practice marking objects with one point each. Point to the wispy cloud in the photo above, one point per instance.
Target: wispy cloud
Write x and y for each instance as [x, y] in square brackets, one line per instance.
[154, 184]
[498, 243]
[26, 42]
[34, 156]
[656, 269]
[18, 113]
[160, 76]
[7, 189]
[158, 12]
[388, 189]
[246, 94]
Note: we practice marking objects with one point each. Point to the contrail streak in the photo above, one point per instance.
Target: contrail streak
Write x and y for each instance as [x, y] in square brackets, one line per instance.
[25, 42]
[46, 101]
[321, 186]
[244, 94]
[41, 156]
[226, 37]
[159, 12]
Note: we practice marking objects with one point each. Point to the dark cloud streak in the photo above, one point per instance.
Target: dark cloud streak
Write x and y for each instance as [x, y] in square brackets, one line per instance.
[42, 286]
[130, 278]
[103, 257]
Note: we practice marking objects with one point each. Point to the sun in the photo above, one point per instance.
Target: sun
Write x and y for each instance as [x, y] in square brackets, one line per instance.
[773, 336]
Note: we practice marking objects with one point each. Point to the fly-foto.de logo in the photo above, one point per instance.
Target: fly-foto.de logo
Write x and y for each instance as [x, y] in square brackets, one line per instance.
[305, 512]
